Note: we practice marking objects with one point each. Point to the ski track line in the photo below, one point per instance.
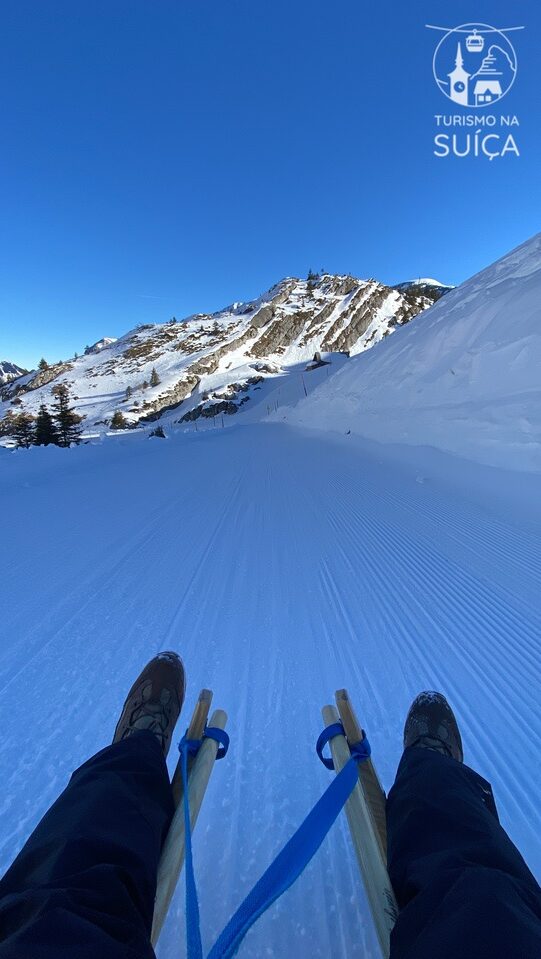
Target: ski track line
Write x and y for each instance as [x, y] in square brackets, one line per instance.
[473, 533]
[449, 518]
[398, 549]
[429, 559]
[440, 598]
[210, 541]
[92, 589]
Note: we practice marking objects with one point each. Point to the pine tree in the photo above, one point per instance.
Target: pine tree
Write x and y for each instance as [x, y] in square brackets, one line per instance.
[66, 419]
[43, 365]
[129, 392]
[46, 431]
[23, 430]
[7, 425]
[119, 421]
[154, 378]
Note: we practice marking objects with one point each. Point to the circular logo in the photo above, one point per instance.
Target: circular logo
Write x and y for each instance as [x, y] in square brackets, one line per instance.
[475, 65]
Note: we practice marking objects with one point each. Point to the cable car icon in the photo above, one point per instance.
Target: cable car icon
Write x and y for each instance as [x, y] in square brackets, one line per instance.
[475, 43]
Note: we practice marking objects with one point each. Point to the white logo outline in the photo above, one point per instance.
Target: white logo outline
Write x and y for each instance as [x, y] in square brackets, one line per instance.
[488, 89]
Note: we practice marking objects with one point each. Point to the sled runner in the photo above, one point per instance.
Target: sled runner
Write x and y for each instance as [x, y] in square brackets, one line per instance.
[355, 787]
[199, 763]
[365, 810]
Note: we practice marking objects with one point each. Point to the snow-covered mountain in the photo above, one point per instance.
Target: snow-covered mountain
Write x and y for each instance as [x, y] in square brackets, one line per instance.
[463, 378]
[424, 286]
[100, 345]
[9, 372]
[216, 363]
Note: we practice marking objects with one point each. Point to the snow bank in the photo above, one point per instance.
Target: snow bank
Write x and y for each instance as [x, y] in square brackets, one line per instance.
[464, 377]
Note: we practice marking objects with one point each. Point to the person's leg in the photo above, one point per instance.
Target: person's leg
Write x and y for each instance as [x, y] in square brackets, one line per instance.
[84, 883]
[462, 887]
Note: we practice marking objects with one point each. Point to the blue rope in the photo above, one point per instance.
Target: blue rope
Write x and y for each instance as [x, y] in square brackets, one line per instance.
[296, 854]
[289, 863]
[189, 747]
[194, 946]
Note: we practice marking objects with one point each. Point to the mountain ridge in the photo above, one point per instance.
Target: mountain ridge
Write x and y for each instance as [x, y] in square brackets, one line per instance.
[212, 363]
[10, 371]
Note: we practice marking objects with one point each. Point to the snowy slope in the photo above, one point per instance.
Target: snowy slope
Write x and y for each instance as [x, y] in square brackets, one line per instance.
[464, 377]
[213, 364]
[283, 564]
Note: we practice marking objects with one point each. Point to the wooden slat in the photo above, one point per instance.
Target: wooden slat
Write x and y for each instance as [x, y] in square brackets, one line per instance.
[172, 857]
[195, 731]
[368, 777]
[366, 844]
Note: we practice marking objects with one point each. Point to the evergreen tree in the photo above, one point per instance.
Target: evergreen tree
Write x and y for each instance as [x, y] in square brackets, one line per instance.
[24, 430]
[66, 419]
[154, 378]
[119, 421]
[46, 431]
[43, 365]
[7, 425]
[129, 392]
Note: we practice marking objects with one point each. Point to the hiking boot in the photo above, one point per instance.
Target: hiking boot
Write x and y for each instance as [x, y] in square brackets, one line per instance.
[431, 724]
[155, 700]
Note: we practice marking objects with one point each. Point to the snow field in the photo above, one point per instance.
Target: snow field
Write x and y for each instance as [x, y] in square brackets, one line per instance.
[282, 564]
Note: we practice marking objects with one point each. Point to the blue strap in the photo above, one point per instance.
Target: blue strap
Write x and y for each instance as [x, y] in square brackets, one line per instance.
[295, 855]
[194, 947]
[219, 736]
[360, 751]
[335, 729]
[189, 747]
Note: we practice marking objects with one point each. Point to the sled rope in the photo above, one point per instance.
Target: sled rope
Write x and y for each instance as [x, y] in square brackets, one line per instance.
[288, 864]
[189, 747]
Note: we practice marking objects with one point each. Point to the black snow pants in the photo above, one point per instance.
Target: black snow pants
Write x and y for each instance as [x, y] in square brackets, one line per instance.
[463, 889]
[83, 886]
[84, 883]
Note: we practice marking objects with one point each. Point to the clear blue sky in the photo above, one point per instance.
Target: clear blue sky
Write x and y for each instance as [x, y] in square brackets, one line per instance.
[164, 157]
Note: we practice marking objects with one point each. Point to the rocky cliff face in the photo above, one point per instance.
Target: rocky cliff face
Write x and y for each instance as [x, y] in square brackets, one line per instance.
[213, 363]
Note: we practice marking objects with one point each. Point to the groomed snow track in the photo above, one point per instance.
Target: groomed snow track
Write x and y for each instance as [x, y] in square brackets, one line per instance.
[282, 565]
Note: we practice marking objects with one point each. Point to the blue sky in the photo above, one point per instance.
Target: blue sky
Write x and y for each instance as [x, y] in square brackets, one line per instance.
[165, 157]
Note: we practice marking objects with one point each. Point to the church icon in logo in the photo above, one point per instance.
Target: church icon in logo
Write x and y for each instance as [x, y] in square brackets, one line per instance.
[475, 64]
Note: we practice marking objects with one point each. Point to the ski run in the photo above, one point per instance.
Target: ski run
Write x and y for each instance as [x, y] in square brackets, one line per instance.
[282, 564]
